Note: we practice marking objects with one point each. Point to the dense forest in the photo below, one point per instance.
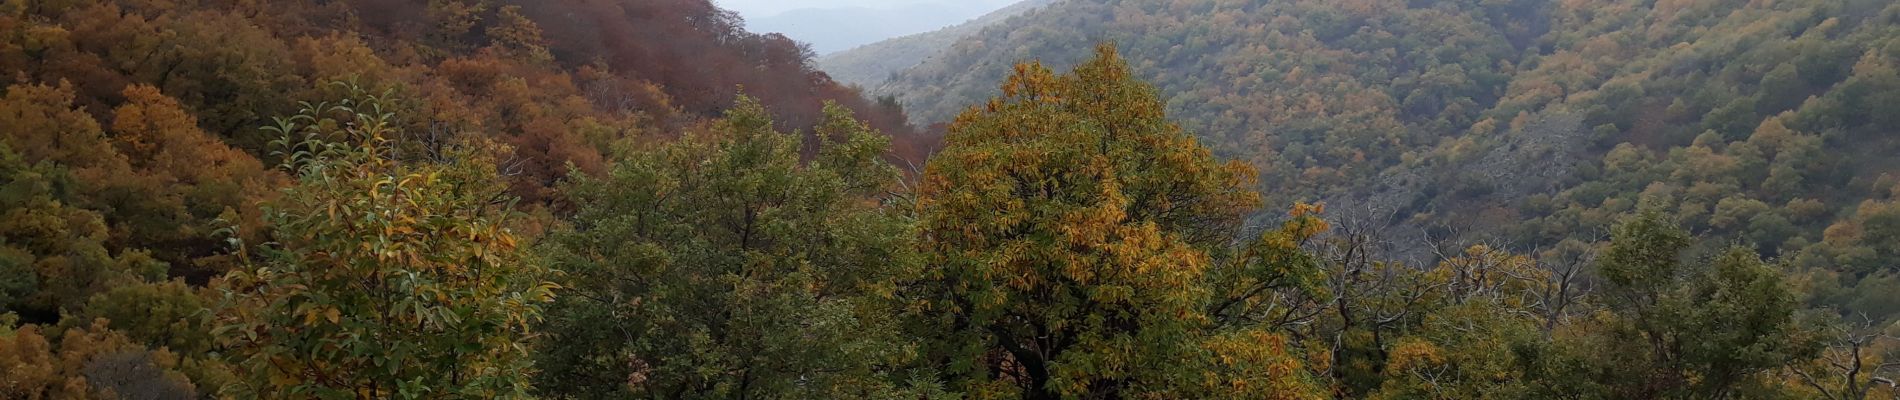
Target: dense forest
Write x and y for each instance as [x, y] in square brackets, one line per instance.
[1529, 125]
[603, 199]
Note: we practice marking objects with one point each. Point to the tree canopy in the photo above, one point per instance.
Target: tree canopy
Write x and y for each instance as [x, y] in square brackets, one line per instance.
[612, 199]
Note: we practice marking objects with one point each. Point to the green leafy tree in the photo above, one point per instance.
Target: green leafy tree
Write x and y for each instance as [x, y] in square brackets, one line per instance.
[168, 315]
[385, 280]
[1692, 329]
[726, 265]
[1479, 335]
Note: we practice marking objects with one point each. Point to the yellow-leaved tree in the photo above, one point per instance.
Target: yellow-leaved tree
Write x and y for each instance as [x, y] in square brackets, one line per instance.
[1073, 232]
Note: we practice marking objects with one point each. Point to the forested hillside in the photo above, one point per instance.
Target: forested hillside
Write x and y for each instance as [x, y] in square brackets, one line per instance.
[1527, 124]
[608, 199]
[137, 167]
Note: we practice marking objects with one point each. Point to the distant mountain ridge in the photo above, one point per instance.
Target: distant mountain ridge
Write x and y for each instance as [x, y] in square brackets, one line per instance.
[833, 29]
[870, 65]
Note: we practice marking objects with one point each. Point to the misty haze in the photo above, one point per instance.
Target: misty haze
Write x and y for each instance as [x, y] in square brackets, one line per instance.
[835, 25]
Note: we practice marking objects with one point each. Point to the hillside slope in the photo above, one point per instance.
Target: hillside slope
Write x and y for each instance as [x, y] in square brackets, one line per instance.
[160, 107]
[869, 65]
[1532, 122]
[161, 161]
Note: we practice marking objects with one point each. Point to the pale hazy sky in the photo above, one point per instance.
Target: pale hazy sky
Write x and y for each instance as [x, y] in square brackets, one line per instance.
[834, 25]
[766, 8]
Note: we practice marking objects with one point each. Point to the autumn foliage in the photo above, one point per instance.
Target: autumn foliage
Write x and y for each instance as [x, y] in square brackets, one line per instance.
[453, 199]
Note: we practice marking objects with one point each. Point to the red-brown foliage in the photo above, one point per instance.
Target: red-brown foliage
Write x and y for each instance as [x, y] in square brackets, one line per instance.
[564, 82]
